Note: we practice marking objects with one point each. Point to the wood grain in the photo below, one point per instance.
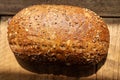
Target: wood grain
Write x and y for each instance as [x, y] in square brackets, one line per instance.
[101, 7]
[109, 71]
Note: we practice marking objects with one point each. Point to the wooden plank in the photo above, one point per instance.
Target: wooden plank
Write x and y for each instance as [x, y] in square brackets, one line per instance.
[111, 68]
[10, 68]
[101, 7]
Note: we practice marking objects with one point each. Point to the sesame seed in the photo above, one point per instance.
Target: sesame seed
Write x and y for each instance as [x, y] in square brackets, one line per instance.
[26, 29]
[104, 26]
[15, 32]
[54, 46]
[86, 9]
[88, 59]
[94, 49]
[93, 41]
[97, 36]
[68, 42]
[26, 9]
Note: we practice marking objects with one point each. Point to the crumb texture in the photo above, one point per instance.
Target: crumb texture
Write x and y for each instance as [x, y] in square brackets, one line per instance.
[58, 33]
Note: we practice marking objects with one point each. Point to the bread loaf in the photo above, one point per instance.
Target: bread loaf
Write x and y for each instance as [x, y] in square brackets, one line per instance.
[58, 34]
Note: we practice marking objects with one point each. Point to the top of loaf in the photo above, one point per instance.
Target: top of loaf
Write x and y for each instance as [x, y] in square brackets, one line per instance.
[59, 30]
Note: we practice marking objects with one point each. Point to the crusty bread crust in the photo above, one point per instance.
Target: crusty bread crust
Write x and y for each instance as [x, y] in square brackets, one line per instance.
[58, 33]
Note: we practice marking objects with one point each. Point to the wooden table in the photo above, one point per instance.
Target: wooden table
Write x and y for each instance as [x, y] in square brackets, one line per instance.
[110, 70]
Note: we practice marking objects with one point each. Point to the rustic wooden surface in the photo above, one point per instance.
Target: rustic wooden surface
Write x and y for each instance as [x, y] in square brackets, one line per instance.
[102, 7]
[111, 68]
[11, 70]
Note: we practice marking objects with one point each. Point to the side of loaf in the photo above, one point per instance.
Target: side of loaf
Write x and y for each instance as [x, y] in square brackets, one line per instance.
[58, 34]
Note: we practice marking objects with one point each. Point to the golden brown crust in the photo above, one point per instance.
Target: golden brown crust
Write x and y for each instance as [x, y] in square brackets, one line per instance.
[71, 34]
